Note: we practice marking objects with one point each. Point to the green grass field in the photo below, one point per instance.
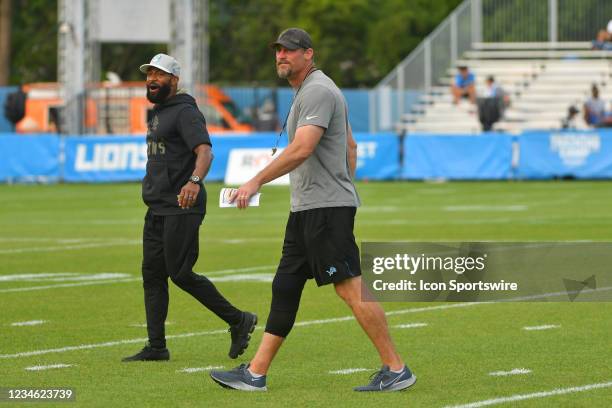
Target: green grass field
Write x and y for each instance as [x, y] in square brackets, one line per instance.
[76, 234]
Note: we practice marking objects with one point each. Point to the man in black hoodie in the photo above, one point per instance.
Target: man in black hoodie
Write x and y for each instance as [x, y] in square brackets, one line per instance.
[179, 156]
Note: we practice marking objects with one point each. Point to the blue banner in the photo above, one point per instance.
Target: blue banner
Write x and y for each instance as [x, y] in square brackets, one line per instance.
[29, 158]
[377, 156]
[468, 157]
[104, 158]
[565, 154]
[124, 158]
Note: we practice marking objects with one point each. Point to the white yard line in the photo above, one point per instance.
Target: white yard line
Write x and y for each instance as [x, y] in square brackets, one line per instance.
[67, 285]
[515, 371]
[107, 344]
[543, 327]
[48, 367]
[410, 325]
[349, 371]
[304, 323]
[29, 323]
[522, 397]
[199, 369]
[258, 277]
[69, 247]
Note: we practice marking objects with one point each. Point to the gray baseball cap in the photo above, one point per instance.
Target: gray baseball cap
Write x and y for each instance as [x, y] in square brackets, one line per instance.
[292, 39]
[164, 62]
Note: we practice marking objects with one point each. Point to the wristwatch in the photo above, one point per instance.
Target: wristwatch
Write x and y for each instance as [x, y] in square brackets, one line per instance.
[195, 179]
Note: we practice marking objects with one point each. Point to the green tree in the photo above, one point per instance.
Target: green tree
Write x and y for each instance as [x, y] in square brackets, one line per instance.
[33, 41]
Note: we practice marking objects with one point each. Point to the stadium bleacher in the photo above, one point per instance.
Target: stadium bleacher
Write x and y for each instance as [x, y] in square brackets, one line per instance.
[542, 79]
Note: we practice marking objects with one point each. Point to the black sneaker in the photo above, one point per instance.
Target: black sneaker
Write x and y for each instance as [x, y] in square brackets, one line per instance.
[239, 378]
[241, 334]
[149, 353]
[387, 380]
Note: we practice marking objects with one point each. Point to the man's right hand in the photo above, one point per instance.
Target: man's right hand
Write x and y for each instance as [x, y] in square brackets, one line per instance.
[244, 194]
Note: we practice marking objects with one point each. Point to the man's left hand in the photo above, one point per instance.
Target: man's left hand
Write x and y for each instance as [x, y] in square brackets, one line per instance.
[188, 195]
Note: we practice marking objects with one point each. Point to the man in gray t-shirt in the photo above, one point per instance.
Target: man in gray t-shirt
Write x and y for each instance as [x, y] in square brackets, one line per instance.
[319, 241]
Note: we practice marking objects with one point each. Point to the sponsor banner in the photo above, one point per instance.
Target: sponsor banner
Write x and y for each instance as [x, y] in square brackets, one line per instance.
[486, 271]
[104, 158]
[377, 156]
[243, 164]
[565, 154]
[32, 158]
[470, 157]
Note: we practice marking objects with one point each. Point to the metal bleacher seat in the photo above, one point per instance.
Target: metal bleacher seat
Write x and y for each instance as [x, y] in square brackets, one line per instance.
[542, 79]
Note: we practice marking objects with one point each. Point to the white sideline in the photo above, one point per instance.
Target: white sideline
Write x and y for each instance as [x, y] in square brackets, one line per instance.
[522, 397]
[515, 371]
[543, 327]
[48, 367]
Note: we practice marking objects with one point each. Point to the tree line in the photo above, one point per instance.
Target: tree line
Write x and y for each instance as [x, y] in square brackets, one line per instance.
[357, 42]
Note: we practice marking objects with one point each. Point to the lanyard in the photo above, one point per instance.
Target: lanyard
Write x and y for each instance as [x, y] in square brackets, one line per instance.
[275, 148]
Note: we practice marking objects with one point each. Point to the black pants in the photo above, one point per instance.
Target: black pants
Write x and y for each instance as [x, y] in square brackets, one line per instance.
[170, 249]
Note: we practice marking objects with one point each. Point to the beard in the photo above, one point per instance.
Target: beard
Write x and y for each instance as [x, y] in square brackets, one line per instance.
[283, 72]
[161, 95]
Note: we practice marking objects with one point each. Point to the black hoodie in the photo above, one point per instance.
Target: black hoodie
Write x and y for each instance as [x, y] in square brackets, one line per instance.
[176, 127]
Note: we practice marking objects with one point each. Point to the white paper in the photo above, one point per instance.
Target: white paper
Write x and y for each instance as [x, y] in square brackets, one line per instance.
[226, 193]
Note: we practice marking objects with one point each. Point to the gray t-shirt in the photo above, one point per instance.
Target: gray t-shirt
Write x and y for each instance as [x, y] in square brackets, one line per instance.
[322, 180]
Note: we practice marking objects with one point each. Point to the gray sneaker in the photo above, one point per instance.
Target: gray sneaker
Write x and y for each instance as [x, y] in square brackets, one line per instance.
[239, 378]
[387, 380]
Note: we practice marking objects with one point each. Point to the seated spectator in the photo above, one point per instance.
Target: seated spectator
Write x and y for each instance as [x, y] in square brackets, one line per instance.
[464, 85]
[604, 38]
[594, 108]
[569, 123]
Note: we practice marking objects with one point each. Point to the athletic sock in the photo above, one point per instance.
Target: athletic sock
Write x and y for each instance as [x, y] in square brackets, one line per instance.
[253, 374]
[397, 372]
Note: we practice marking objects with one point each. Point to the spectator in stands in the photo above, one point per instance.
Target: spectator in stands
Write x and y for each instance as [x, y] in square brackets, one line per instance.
[464, 85]
[594, 108]
[604, 38]
[492, 104]
[569, 122]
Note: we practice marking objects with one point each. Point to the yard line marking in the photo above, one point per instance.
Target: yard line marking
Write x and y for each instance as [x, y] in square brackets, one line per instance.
[410, 325]
[67, 285]
[304, 323]
[199, 369]
[522, 397]
[106, 344]
[62, 277]
[515, 371]
[543, 327]
[101, 282]
[69, 247]
[48, 367]
[29, 323]
[350, 371]
[167, 323]
[28, 276]
[485, 208]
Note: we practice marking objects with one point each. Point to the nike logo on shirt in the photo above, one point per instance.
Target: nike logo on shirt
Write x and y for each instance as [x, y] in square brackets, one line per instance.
[311, 117]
